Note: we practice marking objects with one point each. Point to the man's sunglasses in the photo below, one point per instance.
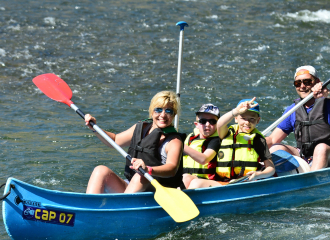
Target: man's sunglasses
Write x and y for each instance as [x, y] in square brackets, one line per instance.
[306, 82]
[204, 121]
[167, 110]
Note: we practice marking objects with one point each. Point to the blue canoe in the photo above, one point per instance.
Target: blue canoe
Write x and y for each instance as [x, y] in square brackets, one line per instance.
[31, 212]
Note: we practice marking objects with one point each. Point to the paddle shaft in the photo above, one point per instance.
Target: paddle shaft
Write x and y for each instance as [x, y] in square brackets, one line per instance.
[109, 140]
[238, 180]
[302, 102]
[178, 81]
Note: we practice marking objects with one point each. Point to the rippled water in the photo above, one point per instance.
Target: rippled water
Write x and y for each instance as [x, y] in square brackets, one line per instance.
[116, 55]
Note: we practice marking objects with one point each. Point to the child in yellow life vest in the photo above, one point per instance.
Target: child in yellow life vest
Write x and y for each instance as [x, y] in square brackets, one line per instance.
[201, 146]
[242, 146]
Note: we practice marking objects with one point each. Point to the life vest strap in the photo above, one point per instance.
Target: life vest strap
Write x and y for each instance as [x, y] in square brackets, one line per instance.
[310, 123]
[198, 170]
[236, 145]
[142, 149]
[237, 163]
[192, 138]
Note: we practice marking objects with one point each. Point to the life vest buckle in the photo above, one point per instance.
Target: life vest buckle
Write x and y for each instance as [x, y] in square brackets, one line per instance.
[139, 148]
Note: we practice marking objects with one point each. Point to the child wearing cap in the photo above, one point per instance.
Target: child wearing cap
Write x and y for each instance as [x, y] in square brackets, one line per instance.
[201, 146]
[242, 147]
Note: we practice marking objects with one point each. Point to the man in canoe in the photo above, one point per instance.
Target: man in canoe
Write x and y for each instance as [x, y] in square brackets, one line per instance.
[201, 146]
[155, 141]
[310, 123]
[242, 147]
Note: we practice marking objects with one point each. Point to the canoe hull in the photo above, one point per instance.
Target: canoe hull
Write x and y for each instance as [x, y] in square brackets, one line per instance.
[40, 213]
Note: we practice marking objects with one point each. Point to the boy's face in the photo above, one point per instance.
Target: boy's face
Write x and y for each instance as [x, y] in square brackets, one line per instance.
[247, 121]
[206, 129]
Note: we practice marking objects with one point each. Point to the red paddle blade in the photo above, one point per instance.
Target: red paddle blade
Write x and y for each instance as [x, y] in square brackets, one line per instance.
[54, 87]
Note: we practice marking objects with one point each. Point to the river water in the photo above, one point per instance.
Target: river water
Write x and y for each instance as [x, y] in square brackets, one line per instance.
[115, 55]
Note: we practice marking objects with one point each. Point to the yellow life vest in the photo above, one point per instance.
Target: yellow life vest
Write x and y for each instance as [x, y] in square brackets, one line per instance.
[237, 156]
[190, 165]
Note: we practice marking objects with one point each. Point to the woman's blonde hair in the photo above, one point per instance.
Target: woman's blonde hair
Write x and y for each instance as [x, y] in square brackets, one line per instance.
[163, 98]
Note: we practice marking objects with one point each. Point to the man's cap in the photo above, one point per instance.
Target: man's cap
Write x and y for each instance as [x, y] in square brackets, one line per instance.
[305, 70]
[254, 109]
[209, 108]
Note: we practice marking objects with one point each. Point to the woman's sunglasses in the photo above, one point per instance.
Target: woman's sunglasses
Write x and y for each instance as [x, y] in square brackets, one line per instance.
[204, 121]
[167, 111]
[306, 82]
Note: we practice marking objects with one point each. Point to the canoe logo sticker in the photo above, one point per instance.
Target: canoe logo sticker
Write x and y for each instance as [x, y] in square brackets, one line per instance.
[221, 155]
[48, 216]
[27, 202]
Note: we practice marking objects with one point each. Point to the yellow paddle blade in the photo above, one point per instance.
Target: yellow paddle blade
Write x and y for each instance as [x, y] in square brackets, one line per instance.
[175, 202]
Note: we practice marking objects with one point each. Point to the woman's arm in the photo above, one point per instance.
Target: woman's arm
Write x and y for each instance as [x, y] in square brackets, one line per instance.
[173, 151]
[123, 139]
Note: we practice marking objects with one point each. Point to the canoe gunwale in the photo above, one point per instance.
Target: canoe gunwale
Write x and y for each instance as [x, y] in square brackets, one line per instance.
[50, 206]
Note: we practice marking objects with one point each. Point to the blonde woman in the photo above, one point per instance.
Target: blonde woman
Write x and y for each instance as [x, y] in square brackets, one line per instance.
[154, 145]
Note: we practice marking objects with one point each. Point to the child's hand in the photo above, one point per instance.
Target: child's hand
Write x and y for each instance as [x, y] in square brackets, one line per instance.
[252, 175]
[244, 106]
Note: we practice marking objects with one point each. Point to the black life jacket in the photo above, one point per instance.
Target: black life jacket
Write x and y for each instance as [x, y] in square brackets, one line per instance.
[312, 128]
[147, 149]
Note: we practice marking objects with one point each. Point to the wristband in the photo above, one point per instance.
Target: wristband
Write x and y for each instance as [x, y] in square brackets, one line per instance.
[149, 170]
[94, 131]
[232, 112]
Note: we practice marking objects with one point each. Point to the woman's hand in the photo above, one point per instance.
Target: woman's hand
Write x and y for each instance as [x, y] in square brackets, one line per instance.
[89, 118]
[318, 92]
[136, 163]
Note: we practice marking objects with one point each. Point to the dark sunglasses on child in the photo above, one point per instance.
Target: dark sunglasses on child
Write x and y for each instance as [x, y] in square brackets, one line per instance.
[204, 121]
[167, 110]
[306, 82]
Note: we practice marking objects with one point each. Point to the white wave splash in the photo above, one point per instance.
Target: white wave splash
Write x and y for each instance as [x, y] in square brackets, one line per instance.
[308, 16]
[50, 182]
[50, 21]
[2, 52]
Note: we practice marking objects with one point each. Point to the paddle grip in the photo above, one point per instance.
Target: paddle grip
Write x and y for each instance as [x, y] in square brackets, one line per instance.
[326, 83]
[82, 115]
[142, 170]
[129, 158]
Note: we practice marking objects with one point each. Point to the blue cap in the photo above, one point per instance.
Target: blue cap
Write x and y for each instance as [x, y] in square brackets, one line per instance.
[254, 109]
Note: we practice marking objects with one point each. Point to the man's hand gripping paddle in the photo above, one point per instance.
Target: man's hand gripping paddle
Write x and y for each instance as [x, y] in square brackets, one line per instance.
[288, 113]
[175, 202]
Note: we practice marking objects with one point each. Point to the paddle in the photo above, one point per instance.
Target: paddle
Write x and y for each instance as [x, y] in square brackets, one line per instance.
[284, 161]
[238, 180]
[175, 202]
[178, 81]
[306, 99]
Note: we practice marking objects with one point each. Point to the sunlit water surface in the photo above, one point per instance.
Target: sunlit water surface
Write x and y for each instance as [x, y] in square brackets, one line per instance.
[116, 55]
